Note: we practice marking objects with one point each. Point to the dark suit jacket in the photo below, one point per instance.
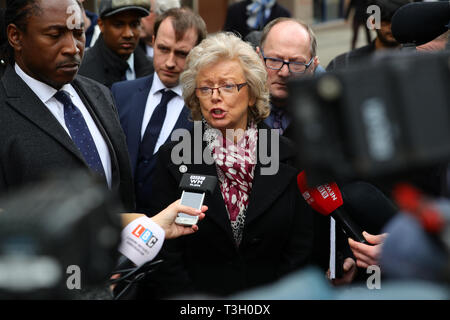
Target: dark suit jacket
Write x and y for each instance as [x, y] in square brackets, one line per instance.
[131, 99]
[104, 66]
[33, 143]
[236, 20]
[277, 237]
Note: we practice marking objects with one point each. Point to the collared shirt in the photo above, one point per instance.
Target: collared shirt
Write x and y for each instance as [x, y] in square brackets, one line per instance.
[285, 119]
[131, 74]
[174, 108]
[45, 93]
[149, 50]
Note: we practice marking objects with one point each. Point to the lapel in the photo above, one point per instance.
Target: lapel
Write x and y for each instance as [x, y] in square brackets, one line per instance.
[268, 188]
[92, 98]
[138, 101]
[216, 206]
[21, 98]
[183, 122]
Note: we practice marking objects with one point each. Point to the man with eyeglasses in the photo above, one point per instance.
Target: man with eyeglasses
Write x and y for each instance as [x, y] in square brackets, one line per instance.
[288, 49]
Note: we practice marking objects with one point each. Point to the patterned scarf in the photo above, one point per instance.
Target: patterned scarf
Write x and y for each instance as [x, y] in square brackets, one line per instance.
[235, 165]
[258, 11]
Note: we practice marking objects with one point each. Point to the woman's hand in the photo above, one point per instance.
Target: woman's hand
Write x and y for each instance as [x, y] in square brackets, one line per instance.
[367, 255]
[166, 219]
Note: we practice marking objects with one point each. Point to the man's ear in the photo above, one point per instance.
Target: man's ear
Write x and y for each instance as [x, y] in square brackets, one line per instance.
[316, 62]
[15, 36]
[101, 25]
[258, 51]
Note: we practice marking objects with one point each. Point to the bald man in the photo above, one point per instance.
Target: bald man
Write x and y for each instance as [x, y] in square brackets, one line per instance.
[288, 49]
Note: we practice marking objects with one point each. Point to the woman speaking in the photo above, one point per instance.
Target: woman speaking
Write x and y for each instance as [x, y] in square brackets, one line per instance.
[258, 226]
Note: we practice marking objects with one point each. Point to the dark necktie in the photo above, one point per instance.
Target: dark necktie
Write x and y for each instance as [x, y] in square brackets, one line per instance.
[278, 119]
[156, 122]
[79, 132]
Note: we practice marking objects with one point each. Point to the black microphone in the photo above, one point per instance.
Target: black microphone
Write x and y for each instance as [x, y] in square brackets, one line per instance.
[368, 206]
[420, 22]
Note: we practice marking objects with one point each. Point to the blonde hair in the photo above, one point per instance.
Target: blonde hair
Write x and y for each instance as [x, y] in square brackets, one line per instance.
[220, 47]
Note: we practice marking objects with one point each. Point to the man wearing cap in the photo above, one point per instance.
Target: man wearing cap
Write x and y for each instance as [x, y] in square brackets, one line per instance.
[384, 40]
[116, 55]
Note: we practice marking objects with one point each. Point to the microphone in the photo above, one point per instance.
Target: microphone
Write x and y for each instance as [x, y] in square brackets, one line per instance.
[327, 200]
[142, 240]
[194, 187]
[420, 22]
[368, 206]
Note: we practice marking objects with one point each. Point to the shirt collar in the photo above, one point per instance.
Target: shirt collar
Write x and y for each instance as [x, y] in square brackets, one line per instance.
[41, 89]
[158, 86]
[130, 62]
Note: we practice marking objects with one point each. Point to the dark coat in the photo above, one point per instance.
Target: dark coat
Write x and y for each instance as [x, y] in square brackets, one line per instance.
[131, 99]
[104, 66]
[33, 143]
[277, 237]
[352, 58]
[321, 250]
[236, 20]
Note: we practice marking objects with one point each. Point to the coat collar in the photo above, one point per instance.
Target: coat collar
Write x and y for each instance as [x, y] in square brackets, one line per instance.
[113, 63]
[266, 188]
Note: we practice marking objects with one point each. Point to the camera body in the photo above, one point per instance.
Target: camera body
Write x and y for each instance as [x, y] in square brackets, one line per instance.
[58, 238]
[382, 119]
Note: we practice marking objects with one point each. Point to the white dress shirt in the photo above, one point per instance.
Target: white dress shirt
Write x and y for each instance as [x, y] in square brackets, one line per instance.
[46, 94]
[149, 50]
[174, 108]
[131, 73]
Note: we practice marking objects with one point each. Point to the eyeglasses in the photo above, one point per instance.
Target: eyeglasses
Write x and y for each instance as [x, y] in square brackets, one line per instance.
[225, 90]
[294, 67]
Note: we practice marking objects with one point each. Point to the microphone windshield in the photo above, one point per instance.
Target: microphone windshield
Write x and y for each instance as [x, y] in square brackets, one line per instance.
[324, 199]
[368, 206]
[420, 22]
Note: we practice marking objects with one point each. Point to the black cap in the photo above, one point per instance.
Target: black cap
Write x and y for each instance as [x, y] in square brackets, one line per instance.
[389, 7]
[108, 8]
